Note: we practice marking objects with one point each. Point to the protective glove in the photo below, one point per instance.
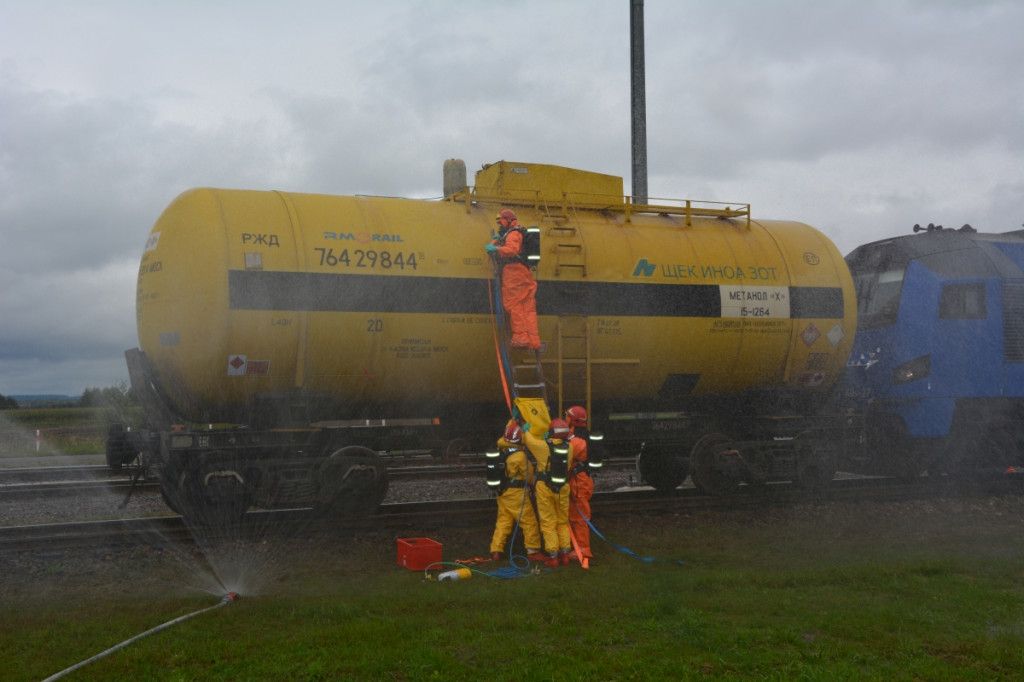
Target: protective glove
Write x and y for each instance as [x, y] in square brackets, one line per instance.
[490, 248]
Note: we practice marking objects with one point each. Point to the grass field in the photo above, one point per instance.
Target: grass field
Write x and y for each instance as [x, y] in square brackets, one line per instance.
[62, 430]
[896, 591]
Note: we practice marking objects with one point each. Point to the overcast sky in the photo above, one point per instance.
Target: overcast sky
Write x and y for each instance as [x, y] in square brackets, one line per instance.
[860, 118]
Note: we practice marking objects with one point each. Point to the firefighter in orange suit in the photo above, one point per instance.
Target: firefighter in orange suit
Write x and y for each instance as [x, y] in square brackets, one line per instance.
[552, 491]
[518, 288]
[581, 486]
[514, 506]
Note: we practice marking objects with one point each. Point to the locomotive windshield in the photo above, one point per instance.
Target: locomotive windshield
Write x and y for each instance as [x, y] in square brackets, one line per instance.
[878, 279]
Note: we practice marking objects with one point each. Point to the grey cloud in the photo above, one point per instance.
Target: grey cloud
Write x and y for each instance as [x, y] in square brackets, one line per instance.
[806, 80]
[857, 117]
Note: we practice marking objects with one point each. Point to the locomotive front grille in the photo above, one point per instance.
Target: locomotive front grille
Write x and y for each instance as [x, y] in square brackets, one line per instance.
[1013, 321]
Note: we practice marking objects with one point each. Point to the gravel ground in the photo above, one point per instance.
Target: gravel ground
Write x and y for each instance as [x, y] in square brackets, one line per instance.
[159, 566]
[277, 566]
[84, 508]
[163, 569]
[150, 503]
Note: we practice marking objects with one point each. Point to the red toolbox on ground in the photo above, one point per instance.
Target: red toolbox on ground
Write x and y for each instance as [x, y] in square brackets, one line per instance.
[418, 553]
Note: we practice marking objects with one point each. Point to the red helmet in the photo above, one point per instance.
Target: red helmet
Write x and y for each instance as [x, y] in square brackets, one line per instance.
[559, 429]
[513, 433]
[576, 416]
[506, 218]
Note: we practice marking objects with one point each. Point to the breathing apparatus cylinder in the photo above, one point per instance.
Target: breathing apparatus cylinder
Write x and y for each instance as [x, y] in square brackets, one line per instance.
[457, 574]
[496, 469]
[558, 464]
[531, 246]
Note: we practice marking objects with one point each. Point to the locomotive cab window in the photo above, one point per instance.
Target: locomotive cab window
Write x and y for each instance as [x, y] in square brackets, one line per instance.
[963, 302]
[878, 279]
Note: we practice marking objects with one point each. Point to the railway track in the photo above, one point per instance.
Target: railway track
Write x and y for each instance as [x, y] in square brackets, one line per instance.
[97, 479]
[474, 512]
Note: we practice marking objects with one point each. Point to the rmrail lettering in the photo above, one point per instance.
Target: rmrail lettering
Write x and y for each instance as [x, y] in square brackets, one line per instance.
[364, 237]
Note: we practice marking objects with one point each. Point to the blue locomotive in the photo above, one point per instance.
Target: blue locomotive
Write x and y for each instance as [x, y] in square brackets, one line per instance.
[937, 367]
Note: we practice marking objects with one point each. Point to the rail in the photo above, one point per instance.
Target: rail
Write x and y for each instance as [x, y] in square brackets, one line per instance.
[478, 512]
[40, 483]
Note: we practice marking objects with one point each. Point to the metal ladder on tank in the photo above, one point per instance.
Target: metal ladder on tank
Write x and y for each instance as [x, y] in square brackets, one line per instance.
[572, 365]
[573, 362]
[528, 377]
[573, 359]
[563, 230]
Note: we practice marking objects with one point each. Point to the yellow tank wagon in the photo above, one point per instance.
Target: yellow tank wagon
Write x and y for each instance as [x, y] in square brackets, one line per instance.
[274, 309]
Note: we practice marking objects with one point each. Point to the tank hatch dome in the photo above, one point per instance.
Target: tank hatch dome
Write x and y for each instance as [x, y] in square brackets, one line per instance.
[525, 183]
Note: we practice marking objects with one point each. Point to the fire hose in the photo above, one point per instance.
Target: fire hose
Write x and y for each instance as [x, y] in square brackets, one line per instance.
[227, 599]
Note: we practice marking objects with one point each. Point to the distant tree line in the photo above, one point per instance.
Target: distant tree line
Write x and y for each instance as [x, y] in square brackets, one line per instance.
[117, 397]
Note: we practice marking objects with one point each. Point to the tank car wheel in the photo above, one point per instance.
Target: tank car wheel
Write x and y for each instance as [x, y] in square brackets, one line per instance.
[171, 495]
[351, 483]
[661, 470]
[455, 449]
[708, 476]
[118, 451]
[207, 492]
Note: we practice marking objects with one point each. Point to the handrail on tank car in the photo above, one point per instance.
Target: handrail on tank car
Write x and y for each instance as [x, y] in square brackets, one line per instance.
[689, 208]
[603, 203]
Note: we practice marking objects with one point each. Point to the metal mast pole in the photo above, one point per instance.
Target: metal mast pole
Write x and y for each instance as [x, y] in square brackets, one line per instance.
[639, 98]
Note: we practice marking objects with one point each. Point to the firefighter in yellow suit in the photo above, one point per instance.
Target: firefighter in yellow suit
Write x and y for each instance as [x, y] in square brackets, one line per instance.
[552, 491]
[514, 506]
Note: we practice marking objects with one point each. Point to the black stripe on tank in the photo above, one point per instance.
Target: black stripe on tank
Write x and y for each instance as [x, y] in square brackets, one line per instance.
[325, 292]
[815, 302]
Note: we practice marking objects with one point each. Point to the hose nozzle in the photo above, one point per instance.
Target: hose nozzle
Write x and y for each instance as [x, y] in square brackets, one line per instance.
[229, 597]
